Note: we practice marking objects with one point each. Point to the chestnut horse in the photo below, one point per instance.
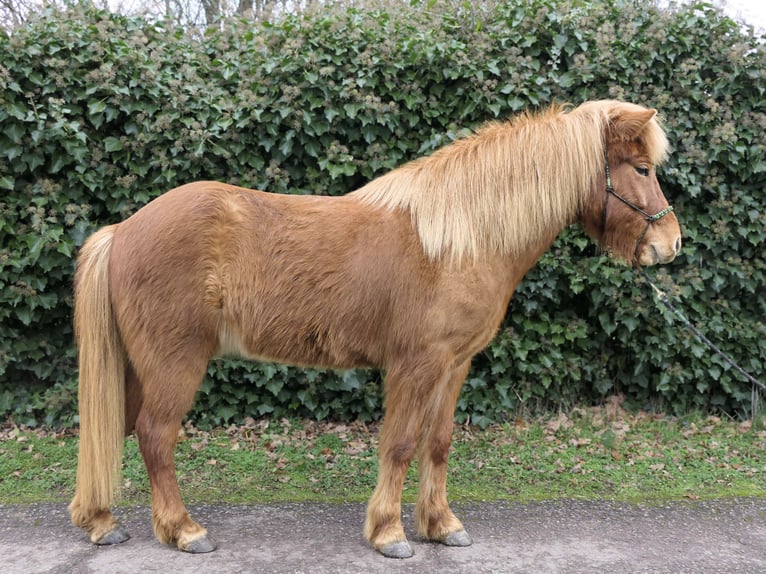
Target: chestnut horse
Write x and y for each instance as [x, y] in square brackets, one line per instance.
[412, 274]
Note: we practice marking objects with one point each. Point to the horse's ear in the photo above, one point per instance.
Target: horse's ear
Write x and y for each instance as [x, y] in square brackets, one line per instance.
[627, 124]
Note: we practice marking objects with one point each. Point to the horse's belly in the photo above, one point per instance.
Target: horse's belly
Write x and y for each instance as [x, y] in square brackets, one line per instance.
[302, 347]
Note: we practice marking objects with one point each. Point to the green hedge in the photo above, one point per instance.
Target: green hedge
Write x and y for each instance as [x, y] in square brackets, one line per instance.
[100, 113]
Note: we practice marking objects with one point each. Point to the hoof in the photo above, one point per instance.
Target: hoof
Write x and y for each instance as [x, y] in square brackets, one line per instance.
[459, 538]
[200, 546]
[397, 550]
[116, 535]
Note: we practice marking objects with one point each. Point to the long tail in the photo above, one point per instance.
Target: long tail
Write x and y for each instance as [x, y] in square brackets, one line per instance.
[102, 383]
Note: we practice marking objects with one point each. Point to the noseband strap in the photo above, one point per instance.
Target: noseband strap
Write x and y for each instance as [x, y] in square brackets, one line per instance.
[647, 216]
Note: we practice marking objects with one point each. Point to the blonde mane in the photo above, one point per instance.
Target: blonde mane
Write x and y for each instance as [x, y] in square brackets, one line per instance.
[500, 188]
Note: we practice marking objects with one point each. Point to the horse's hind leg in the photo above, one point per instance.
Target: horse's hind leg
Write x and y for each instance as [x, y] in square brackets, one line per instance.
[168, 394]
[433, 516]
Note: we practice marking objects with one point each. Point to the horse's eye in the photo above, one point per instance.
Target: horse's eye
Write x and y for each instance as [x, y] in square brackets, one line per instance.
[642, 171]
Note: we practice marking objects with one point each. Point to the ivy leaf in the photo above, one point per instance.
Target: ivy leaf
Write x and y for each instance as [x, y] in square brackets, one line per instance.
[112, 144]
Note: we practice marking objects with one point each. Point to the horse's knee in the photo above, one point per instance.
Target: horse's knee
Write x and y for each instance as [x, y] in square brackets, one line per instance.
[400, 452]
[437, 450]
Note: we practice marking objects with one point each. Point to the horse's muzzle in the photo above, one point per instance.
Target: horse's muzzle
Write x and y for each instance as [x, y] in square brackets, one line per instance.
[659, 253]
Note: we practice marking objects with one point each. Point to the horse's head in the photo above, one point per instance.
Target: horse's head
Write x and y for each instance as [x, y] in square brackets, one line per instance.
[628, 214]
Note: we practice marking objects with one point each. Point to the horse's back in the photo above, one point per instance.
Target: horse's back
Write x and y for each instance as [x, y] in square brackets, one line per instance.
[299, 279]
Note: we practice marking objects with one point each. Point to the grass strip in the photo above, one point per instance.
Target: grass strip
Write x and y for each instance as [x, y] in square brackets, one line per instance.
[599, 453]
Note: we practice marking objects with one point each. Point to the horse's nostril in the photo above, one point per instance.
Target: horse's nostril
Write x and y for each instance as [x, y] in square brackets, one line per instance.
[677, 245]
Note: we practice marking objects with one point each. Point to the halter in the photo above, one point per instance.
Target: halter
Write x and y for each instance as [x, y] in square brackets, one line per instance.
[648, 217]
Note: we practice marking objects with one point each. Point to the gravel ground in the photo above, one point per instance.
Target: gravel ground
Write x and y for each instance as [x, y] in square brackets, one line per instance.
[540, 537]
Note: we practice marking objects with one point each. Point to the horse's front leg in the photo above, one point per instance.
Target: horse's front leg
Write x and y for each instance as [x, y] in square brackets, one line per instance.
[407, 388]
[433, 516]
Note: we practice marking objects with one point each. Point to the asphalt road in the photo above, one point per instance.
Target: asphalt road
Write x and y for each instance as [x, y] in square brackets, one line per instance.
[542, 537]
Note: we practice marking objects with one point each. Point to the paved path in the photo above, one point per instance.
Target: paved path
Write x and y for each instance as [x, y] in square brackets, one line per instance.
[545, 537]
